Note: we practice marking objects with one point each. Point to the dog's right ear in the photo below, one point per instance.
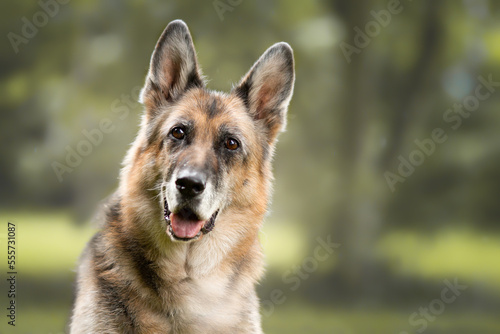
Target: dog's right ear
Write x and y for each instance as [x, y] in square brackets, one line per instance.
[173, 68]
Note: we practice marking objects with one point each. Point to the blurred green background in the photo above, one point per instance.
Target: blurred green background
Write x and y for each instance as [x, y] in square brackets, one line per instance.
[374, 79]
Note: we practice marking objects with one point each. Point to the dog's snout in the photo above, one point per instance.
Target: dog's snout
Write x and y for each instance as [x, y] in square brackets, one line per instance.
[191, 183]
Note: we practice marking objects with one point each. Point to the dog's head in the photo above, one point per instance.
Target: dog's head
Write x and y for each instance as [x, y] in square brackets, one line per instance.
[212, 149]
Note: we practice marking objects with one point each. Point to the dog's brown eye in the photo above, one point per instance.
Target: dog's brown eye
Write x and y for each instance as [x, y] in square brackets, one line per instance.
[232, 144]
[178, 133]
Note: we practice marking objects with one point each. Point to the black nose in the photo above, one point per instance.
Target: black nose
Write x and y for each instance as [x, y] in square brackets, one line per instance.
[191, 183]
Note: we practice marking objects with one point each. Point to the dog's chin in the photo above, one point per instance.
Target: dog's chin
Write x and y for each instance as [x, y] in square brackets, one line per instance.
[184, 225]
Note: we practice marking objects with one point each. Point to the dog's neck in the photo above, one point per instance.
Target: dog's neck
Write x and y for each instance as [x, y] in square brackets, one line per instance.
[233, 231]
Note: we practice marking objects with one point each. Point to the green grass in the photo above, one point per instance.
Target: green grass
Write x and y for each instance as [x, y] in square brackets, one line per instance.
[457, 252]
[39, 320]
[46, 243]
[302, 318]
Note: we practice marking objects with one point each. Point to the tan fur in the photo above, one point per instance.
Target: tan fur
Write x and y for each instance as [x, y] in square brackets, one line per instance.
[136, 278]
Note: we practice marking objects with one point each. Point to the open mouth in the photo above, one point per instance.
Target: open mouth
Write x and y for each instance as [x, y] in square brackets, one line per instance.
[185, 225]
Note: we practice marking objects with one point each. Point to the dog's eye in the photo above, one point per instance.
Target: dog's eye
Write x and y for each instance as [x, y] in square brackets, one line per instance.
[178, 133]
[232, 144]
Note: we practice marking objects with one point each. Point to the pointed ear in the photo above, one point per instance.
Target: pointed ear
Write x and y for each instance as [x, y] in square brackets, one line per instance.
[173, 68]
[267, 88]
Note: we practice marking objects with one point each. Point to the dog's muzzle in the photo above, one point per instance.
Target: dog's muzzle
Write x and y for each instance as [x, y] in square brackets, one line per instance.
[183, 221]
[184, 225]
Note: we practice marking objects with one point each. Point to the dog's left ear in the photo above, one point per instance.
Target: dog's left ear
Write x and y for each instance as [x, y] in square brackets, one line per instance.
[267, 88]
[173, 68]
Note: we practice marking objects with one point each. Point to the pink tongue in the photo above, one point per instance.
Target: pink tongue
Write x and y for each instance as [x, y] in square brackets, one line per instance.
[185, 228]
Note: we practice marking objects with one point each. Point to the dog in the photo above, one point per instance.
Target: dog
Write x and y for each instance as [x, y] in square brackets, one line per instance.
[179, 250]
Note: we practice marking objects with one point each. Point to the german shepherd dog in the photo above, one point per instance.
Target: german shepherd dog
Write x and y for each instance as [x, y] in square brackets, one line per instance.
[179, 251]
